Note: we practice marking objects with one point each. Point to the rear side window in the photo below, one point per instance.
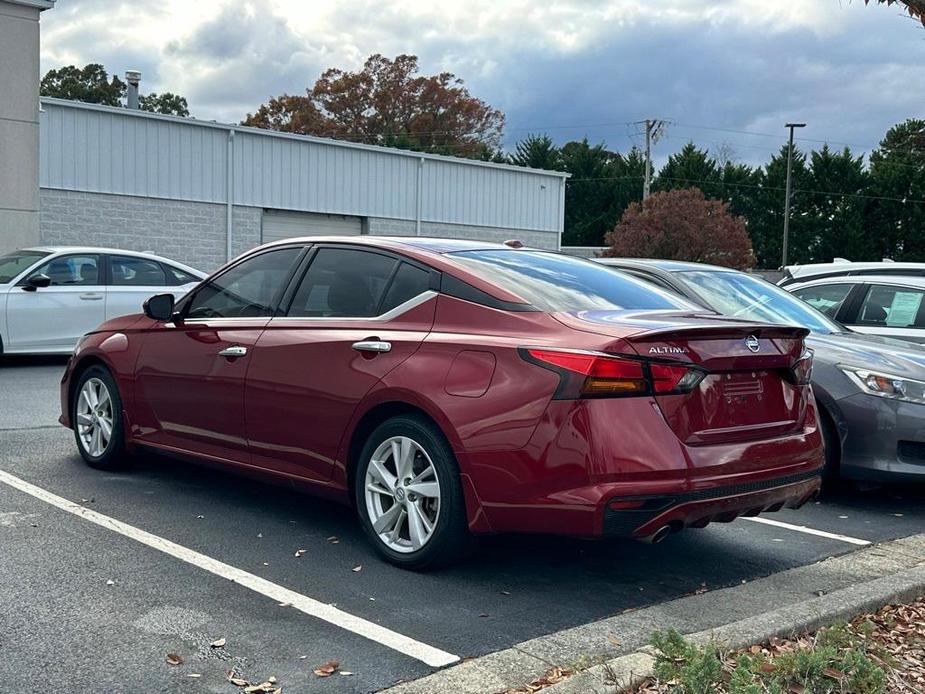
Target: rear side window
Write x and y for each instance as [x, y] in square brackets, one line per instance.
[891, 307]
[128, 271]
[553, 282]
[827, 298]
[409, 281]
[343, 283]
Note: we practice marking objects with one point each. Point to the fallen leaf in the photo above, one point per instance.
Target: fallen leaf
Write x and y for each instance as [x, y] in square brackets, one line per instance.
[218, 643]
[284, 604]
[173, 659]
[110, 582]
[333, 540]
[271, 679]
[327, 669]
[833, 673]
[345, 673]
[300, 552]
[614, 640]
[505, 592]
[259, 534]
[357, 569]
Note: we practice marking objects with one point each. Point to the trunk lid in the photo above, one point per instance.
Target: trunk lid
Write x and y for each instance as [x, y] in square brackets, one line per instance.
[747, 392]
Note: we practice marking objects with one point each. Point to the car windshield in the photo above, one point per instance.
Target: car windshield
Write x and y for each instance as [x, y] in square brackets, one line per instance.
[740, 295]
[553, 282]
[13, 264]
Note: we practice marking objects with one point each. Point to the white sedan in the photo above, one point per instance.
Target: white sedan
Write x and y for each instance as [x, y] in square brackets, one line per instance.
[50, 296]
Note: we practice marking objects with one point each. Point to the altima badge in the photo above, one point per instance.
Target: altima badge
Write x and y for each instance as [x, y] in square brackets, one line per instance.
[752, 343]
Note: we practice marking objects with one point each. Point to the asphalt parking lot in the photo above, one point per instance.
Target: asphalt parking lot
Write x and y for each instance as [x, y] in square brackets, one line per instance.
[95, 601]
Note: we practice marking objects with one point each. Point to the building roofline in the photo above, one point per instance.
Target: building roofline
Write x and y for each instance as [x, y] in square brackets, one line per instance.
[330, 142]
[39, 4]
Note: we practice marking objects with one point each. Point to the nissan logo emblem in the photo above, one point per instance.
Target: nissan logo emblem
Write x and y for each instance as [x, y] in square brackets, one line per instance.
[752, 343]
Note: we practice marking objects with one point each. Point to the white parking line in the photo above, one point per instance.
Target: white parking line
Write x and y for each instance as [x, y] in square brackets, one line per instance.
[397, 642]
[808, 531]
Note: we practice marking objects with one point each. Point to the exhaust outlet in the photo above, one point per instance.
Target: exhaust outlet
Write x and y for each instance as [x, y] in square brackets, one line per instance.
[657, 536]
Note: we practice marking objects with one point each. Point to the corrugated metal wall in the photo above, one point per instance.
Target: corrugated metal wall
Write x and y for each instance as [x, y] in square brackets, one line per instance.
[106, 150]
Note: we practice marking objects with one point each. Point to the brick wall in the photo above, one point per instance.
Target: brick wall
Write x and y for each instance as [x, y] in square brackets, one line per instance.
[190, 232]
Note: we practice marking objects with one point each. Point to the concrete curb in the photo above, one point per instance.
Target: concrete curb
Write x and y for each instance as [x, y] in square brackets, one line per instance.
[612, 654]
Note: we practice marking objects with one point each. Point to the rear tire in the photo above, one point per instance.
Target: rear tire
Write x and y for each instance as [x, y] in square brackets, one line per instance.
[96, 416]
[409, 495]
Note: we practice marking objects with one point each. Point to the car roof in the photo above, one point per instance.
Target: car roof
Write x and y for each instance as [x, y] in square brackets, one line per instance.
[665, 265]
[421, 243]
[846, 266]
[116, 251]
[897, 280]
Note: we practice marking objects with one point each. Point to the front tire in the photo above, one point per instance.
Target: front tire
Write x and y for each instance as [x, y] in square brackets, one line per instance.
[96, 415]
[409, 496]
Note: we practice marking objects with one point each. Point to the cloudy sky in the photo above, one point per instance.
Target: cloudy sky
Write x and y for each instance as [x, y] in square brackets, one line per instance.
[726, 73]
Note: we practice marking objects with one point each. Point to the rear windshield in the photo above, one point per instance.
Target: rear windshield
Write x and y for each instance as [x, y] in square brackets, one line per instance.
[553, 282]
[13, 264]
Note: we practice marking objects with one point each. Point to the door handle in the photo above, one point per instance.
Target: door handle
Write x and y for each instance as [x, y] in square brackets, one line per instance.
[372, 346]
[236, 351]
[91, 296]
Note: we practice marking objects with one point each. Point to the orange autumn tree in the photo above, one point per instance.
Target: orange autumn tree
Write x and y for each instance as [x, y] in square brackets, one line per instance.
[682, 224]
[389, 103]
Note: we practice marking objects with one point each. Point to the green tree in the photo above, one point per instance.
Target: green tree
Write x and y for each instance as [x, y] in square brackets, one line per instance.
[834, 208]
[93, 85]
[602, 184]
[689, 167]
[166, 103]
[896, 217]
[537, 152]
[90, 84]
[682, 224]
[766, 215]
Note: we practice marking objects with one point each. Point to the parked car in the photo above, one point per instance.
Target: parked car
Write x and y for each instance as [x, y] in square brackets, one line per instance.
[870, 390]
[845, 268]
[874, 304]
[450, 388]
[51, 295]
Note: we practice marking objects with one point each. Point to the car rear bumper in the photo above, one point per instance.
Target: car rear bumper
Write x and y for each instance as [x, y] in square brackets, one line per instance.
[601, 470]
[697, 509]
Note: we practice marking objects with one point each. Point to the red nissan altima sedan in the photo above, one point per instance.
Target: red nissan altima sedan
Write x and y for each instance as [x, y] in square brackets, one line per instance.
[452, 388]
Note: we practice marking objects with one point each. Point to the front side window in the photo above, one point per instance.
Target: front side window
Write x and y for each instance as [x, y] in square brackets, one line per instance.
[250, 289]
[343, 283]
[13, 264]
[130, 271]
[827, 298]
[72, 271]
[891, 307]
[553, 282]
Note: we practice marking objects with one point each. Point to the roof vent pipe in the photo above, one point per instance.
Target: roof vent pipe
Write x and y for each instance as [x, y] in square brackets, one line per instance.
[133, 77]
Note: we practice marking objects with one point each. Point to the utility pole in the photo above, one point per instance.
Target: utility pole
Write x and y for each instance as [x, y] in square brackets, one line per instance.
[787, 194]
[654, 129]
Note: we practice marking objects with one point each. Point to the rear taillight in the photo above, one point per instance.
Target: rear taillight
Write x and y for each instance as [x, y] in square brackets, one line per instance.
[593, 374]
[801, 372]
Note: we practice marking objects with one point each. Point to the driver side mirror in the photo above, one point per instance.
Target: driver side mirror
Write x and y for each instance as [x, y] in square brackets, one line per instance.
[36, 282]
[159, 307]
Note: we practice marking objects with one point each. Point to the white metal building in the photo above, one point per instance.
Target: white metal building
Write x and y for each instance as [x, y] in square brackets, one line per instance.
[202, 192]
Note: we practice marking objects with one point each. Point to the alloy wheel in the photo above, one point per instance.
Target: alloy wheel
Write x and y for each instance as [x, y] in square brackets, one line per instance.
[94, 417]
[402, 494]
